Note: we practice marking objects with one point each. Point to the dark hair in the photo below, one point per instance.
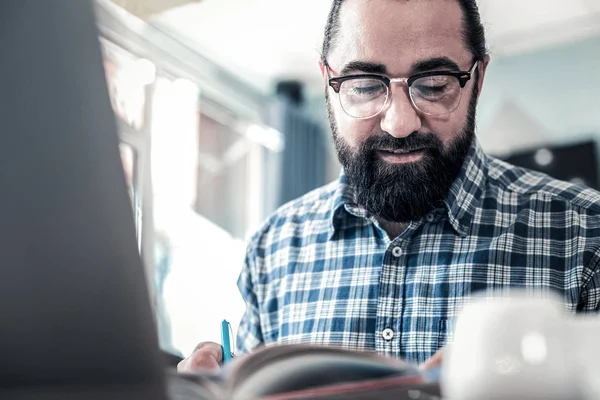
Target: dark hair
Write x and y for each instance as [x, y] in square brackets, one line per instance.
[473, 31]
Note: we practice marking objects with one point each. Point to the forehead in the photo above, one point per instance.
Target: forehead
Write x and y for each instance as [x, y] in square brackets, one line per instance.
[399, 33]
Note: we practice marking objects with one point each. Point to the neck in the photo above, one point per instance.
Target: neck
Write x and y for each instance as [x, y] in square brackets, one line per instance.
[393, 229]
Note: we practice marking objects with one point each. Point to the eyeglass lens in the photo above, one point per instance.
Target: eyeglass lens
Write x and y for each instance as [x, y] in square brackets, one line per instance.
[432, 95]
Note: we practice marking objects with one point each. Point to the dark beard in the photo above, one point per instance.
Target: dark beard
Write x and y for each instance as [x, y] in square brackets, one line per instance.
[404, 192]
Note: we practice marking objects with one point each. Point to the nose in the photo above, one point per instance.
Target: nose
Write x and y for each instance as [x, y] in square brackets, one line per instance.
[400, 119]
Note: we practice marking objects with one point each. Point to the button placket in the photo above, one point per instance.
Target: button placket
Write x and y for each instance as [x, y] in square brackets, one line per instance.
[387, 335]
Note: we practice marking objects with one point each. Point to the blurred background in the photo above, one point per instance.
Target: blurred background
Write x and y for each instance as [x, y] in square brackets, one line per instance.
[222, 119]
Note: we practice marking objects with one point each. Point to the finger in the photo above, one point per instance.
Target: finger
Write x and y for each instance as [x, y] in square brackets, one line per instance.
[434, 361]
[199, 361]
[207, 356]
[211, 347]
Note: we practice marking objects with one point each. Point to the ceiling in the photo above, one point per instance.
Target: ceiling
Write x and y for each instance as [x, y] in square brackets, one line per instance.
[146, 8]
[266, 40]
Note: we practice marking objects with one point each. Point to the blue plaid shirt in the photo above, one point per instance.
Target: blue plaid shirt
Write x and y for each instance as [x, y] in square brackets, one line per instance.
[322, 270]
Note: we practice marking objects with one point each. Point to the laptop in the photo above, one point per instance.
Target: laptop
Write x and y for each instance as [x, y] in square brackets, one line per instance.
[75, 315]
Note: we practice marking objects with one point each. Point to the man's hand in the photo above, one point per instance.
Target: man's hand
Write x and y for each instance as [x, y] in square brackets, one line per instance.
[434, 361]
[206, 356]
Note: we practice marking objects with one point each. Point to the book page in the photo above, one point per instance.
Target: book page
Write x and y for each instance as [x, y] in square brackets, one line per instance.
[286, 368]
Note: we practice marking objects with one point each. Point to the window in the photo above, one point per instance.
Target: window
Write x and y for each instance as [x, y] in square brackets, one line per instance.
[128, 158]
[129, 80]
[204, 178]
[230, 185]
[209, 193]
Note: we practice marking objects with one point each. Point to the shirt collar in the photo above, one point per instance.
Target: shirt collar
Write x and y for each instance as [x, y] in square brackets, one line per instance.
[343, 205]
[466, 192]
[461, 203]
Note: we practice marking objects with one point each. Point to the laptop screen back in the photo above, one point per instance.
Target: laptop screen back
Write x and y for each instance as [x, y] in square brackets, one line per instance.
[73, 302]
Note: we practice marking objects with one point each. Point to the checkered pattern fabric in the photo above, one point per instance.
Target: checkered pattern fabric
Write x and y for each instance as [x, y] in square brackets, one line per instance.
[322, 270]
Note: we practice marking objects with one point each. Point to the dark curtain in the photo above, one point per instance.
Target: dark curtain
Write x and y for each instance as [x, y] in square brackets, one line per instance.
[303, 164]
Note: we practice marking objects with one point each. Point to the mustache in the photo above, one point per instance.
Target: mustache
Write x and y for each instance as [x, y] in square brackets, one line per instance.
[413, 142]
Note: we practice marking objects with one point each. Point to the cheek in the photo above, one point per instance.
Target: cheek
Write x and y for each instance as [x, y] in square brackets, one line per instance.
[354, 131]
[445, 129]
[448, 127]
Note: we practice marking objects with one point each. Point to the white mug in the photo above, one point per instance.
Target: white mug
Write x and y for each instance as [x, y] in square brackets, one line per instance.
[515, 345]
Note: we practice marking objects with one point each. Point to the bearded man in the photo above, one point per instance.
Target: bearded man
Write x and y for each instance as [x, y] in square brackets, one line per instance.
[420, 219]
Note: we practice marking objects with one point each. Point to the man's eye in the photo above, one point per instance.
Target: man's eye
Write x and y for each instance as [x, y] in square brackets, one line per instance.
[366, 90]
[432, 90]
[434, 87]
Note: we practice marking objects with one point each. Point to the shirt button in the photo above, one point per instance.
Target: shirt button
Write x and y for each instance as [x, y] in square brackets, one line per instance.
[430, 217]
[387, 334]
[397, 251]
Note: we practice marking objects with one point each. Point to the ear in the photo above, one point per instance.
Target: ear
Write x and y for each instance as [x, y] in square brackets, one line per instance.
[482, 67]
[322, 67]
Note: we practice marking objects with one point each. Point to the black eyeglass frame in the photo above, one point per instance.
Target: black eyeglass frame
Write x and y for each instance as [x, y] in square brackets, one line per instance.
[462, 76]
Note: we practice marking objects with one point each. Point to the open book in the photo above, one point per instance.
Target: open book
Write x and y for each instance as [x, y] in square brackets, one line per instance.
[303, 371]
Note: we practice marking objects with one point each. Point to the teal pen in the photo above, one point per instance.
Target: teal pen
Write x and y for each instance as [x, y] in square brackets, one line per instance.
[226, 341]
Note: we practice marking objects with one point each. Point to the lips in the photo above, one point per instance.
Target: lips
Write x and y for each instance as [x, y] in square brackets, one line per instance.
[401, 151]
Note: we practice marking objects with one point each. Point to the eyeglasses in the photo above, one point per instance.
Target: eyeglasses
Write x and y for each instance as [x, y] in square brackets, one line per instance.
[432, 93]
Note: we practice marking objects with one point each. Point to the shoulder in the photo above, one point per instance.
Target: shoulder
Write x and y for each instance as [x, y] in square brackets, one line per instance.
[305, 216]
[527, 185]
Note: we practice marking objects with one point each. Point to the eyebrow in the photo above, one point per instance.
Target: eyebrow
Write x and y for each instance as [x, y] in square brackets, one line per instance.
[362, 66]
[435, 63]
[429, 64]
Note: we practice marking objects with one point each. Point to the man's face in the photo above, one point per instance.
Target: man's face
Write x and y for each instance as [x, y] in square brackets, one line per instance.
[396, 38]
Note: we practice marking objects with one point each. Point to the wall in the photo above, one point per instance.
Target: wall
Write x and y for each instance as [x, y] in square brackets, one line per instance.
[550, 96]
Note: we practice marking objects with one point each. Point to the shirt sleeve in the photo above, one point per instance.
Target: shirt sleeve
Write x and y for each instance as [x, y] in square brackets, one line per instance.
[589, 300]
[590, 295]
[249, 334]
